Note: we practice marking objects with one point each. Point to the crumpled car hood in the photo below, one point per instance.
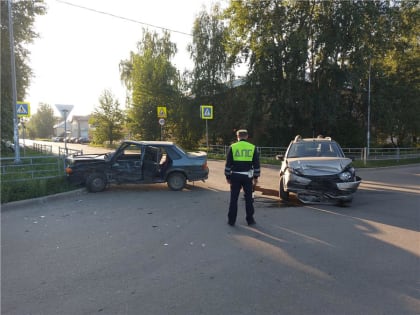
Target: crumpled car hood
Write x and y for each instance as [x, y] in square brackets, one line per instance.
[315, 166]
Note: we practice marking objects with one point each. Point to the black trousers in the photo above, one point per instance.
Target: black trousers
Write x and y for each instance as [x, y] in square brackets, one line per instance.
[238, 181]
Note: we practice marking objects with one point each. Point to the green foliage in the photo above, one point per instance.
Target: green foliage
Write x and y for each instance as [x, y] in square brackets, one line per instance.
[309, 66]
[107, 119]
[211, 68]
[41, 124]
[396, 79]
[153, 81]
[24, 14]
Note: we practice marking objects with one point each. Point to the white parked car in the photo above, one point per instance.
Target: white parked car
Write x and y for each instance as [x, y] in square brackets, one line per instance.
[316, 170]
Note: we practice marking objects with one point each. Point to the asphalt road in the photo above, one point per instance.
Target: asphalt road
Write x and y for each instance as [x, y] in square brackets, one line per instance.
[143, 249]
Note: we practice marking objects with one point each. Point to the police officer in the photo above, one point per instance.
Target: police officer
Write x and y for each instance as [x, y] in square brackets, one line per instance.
[242, 169]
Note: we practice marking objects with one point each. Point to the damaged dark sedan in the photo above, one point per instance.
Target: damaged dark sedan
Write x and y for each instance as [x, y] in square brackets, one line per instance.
[138, 162]
[316, 170]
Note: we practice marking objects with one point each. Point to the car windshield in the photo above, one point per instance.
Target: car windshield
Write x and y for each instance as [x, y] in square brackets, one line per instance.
[314, 149]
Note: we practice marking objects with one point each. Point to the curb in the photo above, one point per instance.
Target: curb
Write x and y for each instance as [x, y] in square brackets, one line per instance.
[40, 200]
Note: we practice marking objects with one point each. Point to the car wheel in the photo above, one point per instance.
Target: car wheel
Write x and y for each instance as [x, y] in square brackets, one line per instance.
[96, 182]
[176, 181]
[284, 195]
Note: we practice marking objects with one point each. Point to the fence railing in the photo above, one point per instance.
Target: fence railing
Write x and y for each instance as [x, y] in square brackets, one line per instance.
[354, 153]
[29, 168]
[49, 149]
[43, 148]
[67, 151]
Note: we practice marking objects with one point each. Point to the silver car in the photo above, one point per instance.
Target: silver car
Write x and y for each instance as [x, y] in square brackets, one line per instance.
[317, 170]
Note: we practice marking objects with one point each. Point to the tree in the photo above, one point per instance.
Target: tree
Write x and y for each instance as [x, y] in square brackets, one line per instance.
[211, 70]
[107, 119]
[41, 124]
[153, 81]
[271, 37]
[24, 14]
[309, 64]
[212, 73]
[396, 81]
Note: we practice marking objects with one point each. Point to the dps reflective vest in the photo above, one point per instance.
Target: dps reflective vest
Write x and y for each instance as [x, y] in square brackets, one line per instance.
[243, 151]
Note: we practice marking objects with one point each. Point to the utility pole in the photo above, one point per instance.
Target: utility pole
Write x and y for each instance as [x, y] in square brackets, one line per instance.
[13, 78]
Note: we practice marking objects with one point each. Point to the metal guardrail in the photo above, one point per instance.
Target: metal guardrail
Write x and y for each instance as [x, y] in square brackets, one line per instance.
[38, 167]
[30, 168]
[67, 151]
[354, 153]
[43, 148]
[48, 149]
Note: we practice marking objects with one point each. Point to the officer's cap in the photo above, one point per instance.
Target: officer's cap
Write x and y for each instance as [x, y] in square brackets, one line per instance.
[242, 132]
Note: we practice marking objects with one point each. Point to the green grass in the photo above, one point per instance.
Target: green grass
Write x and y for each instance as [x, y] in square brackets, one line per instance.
[28, 189]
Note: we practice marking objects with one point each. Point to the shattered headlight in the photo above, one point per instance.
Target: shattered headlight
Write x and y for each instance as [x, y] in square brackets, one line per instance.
[347, 175]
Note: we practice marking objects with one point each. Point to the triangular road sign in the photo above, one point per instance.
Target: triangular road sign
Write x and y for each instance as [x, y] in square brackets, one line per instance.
[22, 110]
[64, 109]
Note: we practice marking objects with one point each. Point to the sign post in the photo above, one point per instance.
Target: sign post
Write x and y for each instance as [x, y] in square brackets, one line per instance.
[206, 113]
[64, 111]
[162, 114]
[161, 123]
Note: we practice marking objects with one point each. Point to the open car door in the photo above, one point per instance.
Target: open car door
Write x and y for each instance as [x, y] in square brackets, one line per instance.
[151, 163]
[128, 164]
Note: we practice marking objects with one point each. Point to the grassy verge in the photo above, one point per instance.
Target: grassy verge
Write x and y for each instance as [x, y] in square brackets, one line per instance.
[24, 187]
[28, 189]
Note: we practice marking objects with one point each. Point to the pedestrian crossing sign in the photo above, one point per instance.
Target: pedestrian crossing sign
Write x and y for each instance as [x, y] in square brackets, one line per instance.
[206, 112]
[23, 109]
[161, 112]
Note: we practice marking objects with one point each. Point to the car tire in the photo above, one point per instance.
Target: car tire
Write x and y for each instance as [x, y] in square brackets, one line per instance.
[284, 195]
[96, 182]
[176, 181]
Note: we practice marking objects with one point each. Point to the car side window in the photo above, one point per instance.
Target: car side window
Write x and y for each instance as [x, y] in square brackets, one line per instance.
[173, 154]
[132, 150]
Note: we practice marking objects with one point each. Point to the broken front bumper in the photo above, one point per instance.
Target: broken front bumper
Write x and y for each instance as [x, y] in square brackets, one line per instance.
[320, 188]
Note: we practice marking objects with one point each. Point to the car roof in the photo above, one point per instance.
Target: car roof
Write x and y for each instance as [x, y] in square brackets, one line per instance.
[298, 139]
[153, 143]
